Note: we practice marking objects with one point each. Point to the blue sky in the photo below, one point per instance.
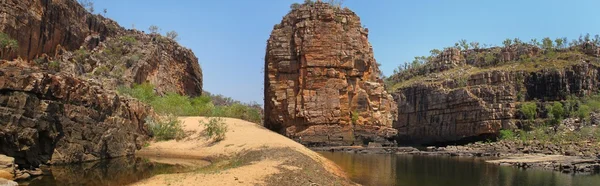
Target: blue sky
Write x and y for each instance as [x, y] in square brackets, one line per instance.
[229, 36]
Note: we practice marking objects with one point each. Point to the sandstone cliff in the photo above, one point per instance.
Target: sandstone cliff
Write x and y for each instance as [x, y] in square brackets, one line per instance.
[322, 84]
[58, 101]
[49, 32]
[464, 96]
[48, 118]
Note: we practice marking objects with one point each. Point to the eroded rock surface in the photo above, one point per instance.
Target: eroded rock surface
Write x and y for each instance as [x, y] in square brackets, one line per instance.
[485, 103]
[52, 118]
[322, 84]
[50, 34]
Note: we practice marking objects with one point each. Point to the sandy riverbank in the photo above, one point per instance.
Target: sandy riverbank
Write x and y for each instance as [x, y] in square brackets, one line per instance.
[249, 155]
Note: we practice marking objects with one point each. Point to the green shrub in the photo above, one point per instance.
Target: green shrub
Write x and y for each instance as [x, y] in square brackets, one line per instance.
[489, 58]
[179, 105]
[215, 128]
[128, 40]
[295, 6]
[54, 65]
[529, 110]
[167, 128]
[143, 92]
[507, 135]
[81, 55]
[7, 42]
[354, 117]
[556, 113]
[173, 103]
[101, 71]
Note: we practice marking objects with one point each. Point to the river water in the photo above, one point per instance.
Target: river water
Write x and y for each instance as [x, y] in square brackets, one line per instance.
[412, 170]
[119, 171]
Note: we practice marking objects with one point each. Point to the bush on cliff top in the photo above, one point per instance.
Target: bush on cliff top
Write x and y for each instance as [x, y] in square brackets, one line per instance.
[205, 105]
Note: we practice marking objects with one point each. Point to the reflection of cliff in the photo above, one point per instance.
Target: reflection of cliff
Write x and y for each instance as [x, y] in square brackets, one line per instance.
[120, 171]
[384, 169]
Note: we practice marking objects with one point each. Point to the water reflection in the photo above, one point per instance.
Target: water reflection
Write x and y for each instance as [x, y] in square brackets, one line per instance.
[120, 171]
[407, 170]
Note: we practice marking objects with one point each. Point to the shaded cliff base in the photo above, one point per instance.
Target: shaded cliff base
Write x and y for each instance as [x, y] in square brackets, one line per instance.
[249, 155]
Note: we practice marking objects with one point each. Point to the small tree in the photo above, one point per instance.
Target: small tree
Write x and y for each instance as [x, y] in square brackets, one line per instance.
[547, 43]
[105, 11]
[517, 41]
[507, 43]
[464, 44]
[173, 35]
[559, 43]
[153, 29]
[529, 110]
[295, 6]
[457, 46]
[535, 42]
[474, 45]
[587, 37]
[435, 52]
[87, 4]
[336, 3]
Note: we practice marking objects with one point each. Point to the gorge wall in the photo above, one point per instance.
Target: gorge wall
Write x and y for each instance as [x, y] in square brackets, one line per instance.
[461, 103]
[58, 101]
[56, 119]
[51, 31]
[322, 84]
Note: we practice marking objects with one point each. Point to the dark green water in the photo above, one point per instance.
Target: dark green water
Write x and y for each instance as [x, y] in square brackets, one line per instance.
[120, 171]
[407, 170]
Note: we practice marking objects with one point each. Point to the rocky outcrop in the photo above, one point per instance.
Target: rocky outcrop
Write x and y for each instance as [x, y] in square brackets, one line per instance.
[322, 84]
[7, 167]
[486, 102]
[40, 26]
[48, 33]
[56, 118]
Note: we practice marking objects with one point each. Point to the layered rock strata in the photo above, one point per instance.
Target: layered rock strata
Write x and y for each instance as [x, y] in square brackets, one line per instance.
[322, 84]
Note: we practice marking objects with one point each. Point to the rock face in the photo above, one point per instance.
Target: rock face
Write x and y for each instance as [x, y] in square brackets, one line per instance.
[51, 118]
[6, 167]
[322, 84]
[48, 32]
[40, 26]
[446, 112]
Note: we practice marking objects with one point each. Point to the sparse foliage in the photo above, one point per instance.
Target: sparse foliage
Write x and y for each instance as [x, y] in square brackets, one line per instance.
[7, 42]
[173, 35]
[464, 44]
[507, 43]
[215, 128]
[336, 3]
[165, 128]
[474, 45]
[547, 43]
[435, 52]
[153, 29]
[529, 110]
[87, 4]
[559, 43]
[295, 6]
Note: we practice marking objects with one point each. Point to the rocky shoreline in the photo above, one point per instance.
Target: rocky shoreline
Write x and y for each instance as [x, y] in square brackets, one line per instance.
[570, 162]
